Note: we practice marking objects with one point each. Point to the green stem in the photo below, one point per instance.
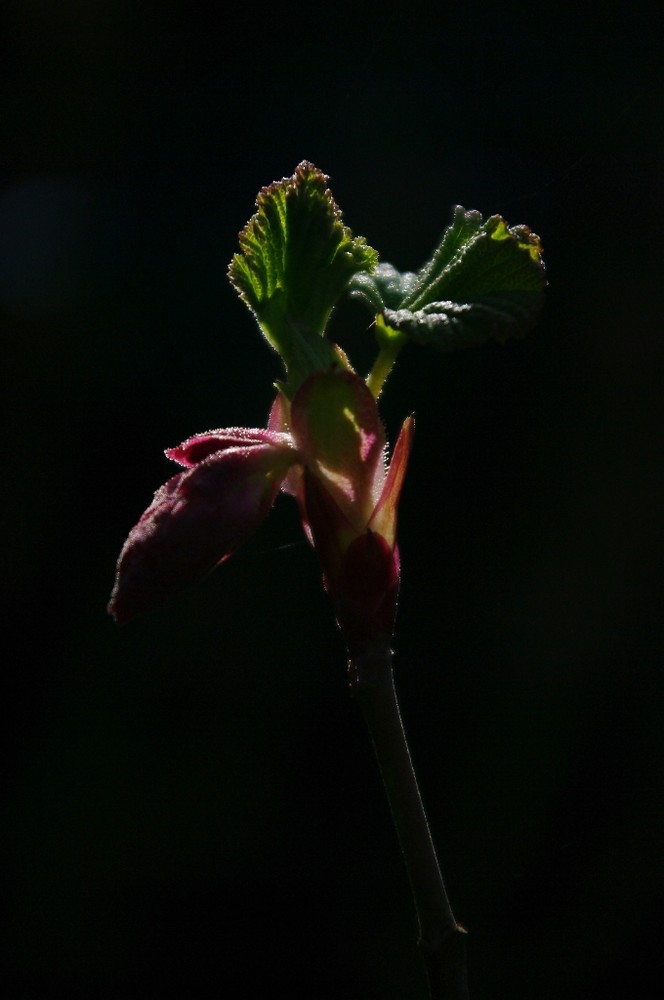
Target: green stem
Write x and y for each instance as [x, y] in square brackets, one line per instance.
[442, 940]
[382, 368]
[390, 342]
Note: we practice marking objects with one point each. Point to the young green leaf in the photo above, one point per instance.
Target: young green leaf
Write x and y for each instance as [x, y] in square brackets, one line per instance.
[485, 280]
[385, 288]
[296, 260]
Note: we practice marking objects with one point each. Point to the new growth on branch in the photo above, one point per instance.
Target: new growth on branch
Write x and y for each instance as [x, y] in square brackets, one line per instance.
[324, 444]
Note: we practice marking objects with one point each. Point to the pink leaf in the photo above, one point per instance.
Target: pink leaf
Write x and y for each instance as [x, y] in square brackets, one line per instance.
[201, 446]
[367, 589]
[384, 517]
[336, 426]
[195, 521]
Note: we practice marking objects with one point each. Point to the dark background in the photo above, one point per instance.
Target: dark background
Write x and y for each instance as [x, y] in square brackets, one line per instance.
[192, 807]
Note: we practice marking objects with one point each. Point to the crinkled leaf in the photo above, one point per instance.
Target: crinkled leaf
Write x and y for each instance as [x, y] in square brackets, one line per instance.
[485, 280]
[386, 288]
[296, 260]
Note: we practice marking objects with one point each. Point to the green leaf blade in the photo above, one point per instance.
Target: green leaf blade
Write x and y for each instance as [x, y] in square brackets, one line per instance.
[485, 281]
[296, 259]
[463, 228]
[384, 288]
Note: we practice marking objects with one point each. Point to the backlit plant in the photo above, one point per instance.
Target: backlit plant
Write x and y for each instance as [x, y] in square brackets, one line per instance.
[324, 444]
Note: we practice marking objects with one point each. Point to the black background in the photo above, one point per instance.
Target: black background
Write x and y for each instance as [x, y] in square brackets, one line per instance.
[192, 807]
